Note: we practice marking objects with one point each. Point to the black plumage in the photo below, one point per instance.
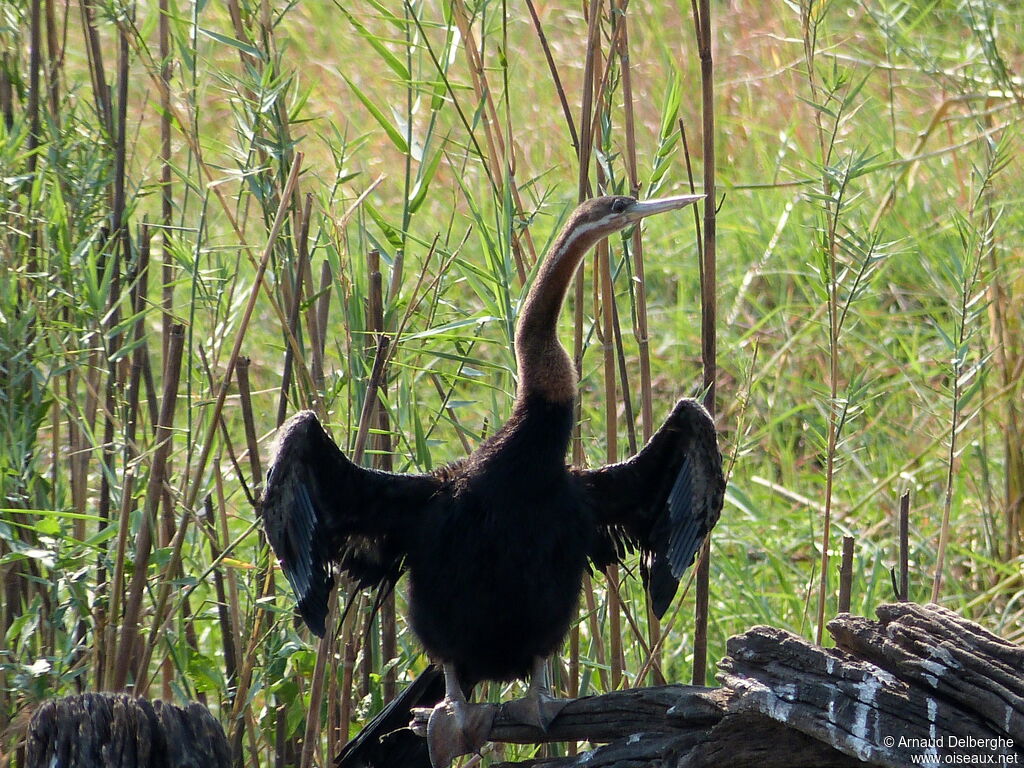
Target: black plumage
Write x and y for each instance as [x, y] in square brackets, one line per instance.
[496, 544]
[385, 741]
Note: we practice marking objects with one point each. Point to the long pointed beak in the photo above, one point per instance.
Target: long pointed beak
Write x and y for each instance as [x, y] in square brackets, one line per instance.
[642, 208]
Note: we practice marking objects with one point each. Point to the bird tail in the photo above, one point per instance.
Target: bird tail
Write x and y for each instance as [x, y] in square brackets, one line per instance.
[386, 741]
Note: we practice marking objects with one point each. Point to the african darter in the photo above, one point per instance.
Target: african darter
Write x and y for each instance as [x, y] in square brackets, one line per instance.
[496, 544]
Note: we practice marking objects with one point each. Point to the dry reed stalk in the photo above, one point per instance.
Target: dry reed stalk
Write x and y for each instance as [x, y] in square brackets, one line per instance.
[589, 98]
[445, 396]
[639, 287]
[334, 726]
[233, 612]
[79, 434]
[294, 302]
[325, 646]
[243, 326]
[306, 272]
[78, 457]
[846, 575]
[119, 230]
[374, 319]
[388, 618]
[322, 308]
[325, 649]
[585, 150]
[107, 468]
[120, 254]
[1011, 363]
[572, 686]
[139, 293]
[369, 401]
[555, 79]
[593, 623]
[627, 401]
[139, 299]
[142, 52]
[649, 653]
[1004, 332]
[349, 654]
[162, 611]
[967, 288]
[17, 578]
[55, 60]
[389, 645]
[264, 575]
[283, 122]
[281, 742]
[397, 267]
[809, 25]
[640, 330]
[668, 625]
[6, 90]
[903, 533]
[709, 308]
[35, 56]
[154, 493]
[611, 438]
[241, 33]
[224, 618]
[248, 420]
[239, 719]
[97, 72]
[499, 156]
[166, 190]
[105, 680]
[374, 413]
[234, 604]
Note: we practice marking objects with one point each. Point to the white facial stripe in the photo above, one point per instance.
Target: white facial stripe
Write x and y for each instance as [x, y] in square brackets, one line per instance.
[582, 230]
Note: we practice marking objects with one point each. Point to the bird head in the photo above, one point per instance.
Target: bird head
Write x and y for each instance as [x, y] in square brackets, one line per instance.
[600, 217]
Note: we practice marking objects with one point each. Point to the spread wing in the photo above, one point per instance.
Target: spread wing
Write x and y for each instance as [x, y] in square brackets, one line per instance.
[319, 508]
[663, 501]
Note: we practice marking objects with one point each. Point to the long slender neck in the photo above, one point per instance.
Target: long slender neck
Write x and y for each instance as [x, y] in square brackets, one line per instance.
[545, 368]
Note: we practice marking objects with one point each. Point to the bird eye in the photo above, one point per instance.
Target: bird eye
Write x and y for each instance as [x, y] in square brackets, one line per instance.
[619, 204]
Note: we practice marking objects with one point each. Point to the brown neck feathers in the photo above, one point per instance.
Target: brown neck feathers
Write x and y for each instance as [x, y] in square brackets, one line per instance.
[544, 366]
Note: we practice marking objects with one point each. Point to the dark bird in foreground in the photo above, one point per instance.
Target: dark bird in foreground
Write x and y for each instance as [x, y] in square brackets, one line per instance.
[496, 544]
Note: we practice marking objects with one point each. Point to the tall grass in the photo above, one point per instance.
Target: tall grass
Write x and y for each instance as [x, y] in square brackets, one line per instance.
[217, 214]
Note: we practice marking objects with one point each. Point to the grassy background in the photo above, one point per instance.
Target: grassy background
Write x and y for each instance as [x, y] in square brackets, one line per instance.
[869, 314]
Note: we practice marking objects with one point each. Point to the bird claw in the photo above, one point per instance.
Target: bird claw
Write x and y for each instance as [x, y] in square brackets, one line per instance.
[457, 728]
[536, 709]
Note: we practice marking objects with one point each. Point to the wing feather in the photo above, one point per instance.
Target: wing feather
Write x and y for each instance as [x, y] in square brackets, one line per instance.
[663, 501]
[320, 509]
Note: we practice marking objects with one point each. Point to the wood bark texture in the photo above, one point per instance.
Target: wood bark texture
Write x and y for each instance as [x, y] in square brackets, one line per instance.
[918, 686]
[114, 730]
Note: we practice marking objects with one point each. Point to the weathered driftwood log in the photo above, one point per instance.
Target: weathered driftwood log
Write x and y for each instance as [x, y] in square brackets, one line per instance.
[920, 686]
[674, 725]
[105, 730]
[668, 709]
[734, 740]
[938, 651]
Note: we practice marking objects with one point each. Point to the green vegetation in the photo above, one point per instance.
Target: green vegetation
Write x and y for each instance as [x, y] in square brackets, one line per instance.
[869, 335]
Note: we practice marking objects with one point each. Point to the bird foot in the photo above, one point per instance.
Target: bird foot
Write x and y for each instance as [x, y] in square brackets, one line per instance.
[536, 709]
[419, 719]
[457, 728]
